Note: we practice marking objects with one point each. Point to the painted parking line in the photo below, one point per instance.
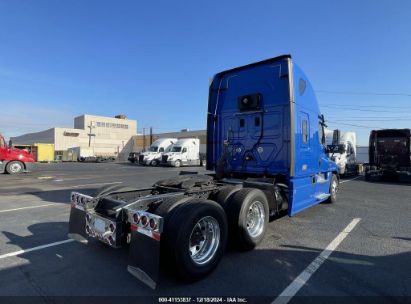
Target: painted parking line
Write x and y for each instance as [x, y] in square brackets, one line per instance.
[348, 180]
[31, 207]
[15, 253]
[304, 276]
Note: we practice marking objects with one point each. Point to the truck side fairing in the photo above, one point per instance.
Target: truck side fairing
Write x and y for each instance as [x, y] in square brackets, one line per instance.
[312, 170]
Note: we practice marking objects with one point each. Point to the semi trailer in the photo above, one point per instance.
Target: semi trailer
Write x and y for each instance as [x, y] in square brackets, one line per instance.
[389, 155]
[14, 161]
[266, 146]
[156, 151]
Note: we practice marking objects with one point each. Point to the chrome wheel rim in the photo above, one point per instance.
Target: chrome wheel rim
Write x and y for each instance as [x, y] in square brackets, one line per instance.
[204, 240]
[334, 187]
[255, 219]
[16, 167]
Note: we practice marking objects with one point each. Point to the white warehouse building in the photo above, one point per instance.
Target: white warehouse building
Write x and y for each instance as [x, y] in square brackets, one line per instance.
[110, 136]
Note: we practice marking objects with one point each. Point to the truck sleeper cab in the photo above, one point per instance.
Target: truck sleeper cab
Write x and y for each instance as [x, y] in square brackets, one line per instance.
[156, 151]
[389, 155]
[266, 145]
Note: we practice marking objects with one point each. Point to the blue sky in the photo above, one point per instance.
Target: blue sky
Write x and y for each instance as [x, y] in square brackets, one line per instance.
[152, 60]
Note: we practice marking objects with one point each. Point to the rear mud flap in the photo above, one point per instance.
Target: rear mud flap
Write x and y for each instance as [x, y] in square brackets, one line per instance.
[77, 224]
[144, 256]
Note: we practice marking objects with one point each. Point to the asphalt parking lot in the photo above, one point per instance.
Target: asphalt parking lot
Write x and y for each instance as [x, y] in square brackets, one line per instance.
[373, 258]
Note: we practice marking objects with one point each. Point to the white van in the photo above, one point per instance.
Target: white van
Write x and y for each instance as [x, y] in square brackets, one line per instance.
[157, 149]
[185, 152]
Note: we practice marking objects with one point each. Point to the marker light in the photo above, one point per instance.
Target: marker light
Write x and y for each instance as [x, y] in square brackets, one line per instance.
[144, 221]
[153, 224]
[136, 218]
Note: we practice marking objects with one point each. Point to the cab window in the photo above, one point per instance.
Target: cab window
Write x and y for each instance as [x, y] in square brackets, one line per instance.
[161, 149]
[304, 131]
[184, 150]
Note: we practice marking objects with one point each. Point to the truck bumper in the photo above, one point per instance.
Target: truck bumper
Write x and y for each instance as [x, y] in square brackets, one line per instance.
[30, 167]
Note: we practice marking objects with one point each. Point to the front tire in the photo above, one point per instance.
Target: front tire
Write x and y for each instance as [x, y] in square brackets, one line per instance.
[177, 163]
[14, 167]
[248, 216]
[333, 190]
[154, 163]
[194, 239]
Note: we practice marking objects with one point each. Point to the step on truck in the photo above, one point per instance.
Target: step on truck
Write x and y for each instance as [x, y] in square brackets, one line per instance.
[266, 145]
[156, 151]
[389, 155]
[184, 152]
[14, 161]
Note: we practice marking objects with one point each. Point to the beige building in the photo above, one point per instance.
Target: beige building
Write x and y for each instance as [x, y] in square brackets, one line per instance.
[110, 136]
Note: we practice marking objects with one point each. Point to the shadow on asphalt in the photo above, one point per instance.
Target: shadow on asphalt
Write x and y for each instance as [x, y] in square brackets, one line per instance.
[61, 195]
[96, 269]
[386, 182]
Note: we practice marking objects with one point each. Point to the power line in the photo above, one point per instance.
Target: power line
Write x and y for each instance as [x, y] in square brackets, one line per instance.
[361, 93]
[377, 117]
[364, 106]
[364, 119]
[353, 125]
[360, 110]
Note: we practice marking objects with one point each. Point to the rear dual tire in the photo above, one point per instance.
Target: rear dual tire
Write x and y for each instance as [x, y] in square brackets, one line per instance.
[194, 238]
[248, 214]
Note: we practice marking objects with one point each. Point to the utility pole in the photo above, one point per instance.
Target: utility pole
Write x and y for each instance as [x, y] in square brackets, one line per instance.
[144, 139]
[90, 134]
[151, 135]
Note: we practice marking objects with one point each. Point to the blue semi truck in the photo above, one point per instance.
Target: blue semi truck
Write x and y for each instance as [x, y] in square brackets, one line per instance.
[266, 146]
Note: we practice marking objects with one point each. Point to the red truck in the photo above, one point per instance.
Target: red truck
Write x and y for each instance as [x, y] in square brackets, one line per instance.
[13, 160]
